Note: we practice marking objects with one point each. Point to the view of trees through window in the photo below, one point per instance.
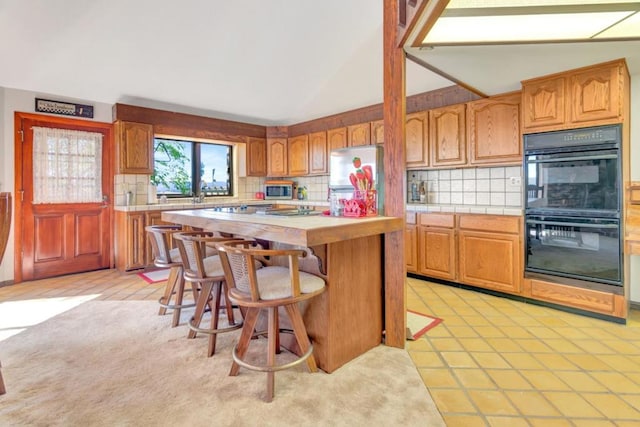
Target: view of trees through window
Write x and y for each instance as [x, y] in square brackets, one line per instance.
[185, 168]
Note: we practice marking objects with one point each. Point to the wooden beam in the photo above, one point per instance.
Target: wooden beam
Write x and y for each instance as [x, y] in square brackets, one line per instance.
[188, 125]
[394, 179]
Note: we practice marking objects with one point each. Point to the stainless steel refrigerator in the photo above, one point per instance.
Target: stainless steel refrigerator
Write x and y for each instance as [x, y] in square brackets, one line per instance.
[356, 181]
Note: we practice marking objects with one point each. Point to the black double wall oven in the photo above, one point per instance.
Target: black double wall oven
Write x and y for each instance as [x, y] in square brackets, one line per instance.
[573, 207]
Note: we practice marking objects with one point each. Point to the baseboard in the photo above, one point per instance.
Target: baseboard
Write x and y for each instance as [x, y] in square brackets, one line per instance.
[634, 305]
[6, 283]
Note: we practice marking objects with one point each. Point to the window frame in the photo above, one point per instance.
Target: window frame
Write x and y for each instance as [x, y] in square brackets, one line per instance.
[196, 177]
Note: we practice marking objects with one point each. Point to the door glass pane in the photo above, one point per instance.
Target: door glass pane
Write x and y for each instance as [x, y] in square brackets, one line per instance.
[67, 166]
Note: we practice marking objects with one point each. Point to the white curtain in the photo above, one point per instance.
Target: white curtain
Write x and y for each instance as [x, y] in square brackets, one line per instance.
[67, 166]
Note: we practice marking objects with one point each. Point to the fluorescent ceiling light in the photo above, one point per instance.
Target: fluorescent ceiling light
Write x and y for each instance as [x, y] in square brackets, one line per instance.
[512, 21]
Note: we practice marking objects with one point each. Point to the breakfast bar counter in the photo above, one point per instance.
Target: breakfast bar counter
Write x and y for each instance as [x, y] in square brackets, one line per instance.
[346, 320]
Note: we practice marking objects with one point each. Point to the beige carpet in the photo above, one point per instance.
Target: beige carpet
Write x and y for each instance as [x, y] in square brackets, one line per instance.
[107, 363]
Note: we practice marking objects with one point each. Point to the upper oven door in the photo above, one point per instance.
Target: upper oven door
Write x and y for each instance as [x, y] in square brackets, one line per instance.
[580, 182]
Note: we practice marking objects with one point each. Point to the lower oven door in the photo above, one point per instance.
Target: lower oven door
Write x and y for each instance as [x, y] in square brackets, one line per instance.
[574, 247]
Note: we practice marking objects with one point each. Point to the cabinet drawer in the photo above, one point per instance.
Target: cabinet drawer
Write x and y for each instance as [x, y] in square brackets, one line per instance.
[437, 220]
[587, 299]
[499, 223]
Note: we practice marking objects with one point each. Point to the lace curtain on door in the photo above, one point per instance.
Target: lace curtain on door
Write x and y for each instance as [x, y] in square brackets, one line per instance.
[67, 166]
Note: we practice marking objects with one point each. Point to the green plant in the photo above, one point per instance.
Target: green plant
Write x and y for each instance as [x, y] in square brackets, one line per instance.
[170, 166]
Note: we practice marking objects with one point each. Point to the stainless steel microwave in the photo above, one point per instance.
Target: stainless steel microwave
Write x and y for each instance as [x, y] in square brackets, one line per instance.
[278, 190]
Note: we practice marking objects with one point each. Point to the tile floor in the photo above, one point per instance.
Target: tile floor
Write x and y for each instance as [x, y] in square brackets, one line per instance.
[498, 362]
[492, 362]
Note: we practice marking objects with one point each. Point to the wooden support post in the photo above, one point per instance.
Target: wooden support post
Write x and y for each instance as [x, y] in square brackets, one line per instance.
[394, 167]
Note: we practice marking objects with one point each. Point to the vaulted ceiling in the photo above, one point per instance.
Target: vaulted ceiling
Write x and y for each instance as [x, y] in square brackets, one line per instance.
[260, 61]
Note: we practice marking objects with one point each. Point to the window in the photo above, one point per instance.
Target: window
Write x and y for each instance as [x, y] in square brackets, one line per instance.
[67, 166]
[184, 168]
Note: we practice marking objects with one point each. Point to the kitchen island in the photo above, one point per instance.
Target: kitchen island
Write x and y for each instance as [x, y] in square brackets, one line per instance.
[346, 320]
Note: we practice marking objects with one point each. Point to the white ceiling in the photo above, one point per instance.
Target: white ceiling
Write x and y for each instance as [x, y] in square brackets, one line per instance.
[260, 61]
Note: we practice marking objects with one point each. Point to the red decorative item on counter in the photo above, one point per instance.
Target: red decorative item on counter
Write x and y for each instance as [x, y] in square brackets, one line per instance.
[363, 203]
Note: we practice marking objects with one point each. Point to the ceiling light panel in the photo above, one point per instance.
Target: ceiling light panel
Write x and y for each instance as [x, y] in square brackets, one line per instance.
[487, 29]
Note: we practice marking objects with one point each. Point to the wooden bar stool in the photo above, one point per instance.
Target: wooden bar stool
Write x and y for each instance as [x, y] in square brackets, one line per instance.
[279, 283]
[166, 257]
[206, 275]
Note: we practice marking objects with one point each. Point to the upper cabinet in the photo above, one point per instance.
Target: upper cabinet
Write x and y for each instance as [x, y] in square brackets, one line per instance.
[134, 143]
[589, 96]
[298, 155]
[359, 134]
[447, 136]
[256, 156]
[277, 156]
[417, 140]
[377, 132]
[493, 130]
[318, 153]
[337, 138]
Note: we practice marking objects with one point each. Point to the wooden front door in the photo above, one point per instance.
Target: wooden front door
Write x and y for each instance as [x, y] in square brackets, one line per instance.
[57, 238]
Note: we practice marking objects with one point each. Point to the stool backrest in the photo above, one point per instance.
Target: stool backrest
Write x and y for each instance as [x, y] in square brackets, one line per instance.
[194, 247]
[241, 259]
[160, 239]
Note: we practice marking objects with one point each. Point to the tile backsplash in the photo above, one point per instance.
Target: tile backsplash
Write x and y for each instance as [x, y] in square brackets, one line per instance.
[495, 186]
[246, 188]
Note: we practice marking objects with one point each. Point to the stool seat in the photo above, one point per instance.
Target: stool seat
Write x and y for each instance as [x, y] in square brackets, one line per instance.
[274, 283]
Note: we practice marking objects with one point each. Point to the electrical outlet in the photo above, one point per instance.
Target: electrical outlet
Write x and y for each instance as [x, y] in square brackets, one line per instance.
[515, 180]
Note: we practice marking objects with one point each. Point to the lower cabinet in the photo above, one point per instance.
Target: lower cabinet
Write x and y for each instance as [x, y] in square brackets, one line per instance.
[411, 247]
[473, 249]
[490, 252]
[437, 246]
[132, 246]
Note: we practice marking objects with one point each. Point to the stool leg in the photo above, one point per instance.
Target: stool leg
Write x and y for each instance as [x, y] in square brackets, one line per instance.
[174, 274]
[2, 389]
[301, 334]
[228, 306]
[179, 296]
[201, 303]
[272, 338]
[250, 320]
[215, 315]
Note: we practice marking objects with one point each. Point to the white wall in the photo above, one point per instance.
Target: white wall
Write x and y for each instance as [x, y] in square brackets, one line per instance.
[12, 100]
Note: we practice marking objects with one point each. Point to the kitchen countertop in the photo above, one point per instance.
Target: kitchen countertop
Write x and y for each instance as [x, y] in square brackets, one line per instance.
[304, 230]
[410, 207]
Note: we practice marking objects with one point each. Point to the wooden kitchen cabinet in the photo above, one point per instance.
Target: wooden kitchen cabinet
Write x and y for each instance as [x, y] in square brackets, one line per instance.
[447, 136]
[130, 240]
[490, 252]
[417, 140]
[276, 156]
[437, 245]
[298, 155]
[589, 96]
[134, 153]
[318, 153]
[493, 130]
[256, 156]
[411, 242]
[337, 138]
[132, 247]
[377, 132]
[359, 134]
